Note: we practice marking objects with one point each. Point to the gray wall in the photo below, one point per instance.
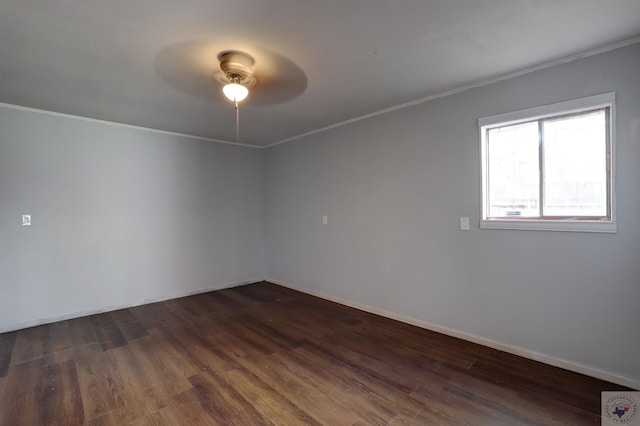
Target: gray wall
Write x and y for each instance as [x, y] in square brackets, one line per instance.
[120, 216]
[394, 187]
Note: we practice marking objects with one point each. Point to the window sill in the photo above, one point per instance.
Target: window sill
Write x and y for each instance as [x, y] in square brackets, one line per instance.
[603, 226]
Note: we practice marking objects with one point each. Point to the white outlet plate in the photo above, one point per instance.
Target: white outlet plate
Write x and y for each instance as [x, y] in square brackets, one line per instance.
[26, 220]
[325, 219]
[464, 223]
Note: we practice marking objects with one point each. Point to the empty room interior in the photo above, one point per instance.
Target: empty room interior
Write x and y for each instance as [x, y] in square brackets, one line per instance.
[421, 213]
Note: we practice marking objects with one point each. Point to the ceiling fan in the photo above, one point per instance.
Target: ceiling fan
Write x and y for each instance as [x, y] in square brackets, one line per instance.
[237, 76]
[270, 77]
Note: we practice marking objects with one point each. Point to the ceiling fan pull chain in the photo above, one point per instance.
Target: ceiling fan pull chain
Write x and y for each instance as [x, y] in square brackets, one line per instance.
[237, 123]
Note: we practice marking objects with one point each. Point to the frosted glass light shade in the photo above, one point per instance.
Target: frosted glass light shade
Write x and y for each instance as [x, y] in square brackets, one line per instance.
[235, 92]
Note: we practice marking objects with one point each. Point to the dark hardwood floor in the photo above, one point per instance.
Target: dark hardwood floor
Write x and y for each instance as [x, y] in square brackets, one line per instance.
[263, 354]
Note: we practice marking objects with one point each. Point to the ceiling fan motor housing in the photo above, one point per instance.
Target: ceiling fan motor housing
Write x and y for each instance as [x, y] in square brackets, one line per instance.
[237, 67]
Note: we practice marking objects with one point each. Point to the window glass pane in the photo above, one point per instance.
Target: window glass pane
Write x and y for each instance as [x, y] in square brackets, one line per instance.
[575, 176]
[513, 165]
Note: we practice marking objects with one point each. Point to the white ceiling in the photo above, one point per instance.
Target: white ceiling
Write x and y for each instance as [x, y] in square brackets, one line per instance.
[150, 62]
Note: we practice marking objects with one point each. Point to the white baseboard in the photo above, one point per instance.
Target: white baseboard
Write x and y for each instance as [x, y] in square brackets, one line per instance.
[103, 309]
[631, 382]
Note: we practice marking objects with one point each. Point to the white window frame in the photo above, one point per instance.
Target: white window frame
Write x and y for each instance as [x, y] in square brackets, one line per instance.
[607, 225]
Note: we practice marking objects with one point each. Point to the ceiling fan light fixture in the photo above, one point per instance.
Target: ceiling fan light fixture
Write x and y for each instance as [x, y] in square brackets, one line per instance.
[235, 92]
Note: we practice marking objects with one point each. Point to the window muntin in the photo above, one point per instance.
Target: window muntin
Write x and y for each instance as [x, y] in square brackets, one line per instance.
[549, 164]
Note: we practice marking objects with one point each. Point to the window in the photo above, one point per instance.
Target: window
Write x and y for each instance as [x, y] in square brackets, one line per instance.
[550, 168]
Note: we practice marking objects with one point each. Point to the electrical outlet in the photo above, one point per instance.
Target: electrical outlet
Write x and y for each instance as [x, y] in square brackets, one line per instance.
[464, 223]
[26, 220]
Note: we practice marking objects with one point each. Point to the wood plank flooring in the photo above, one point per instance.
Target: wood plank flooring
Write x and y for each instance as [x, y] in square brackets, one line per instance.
[264, 354]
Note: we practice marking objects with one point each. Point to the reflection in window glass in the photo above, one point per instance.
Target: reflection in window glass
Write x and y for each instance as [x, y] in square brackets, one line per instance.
[514, 171]
[575, 176]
